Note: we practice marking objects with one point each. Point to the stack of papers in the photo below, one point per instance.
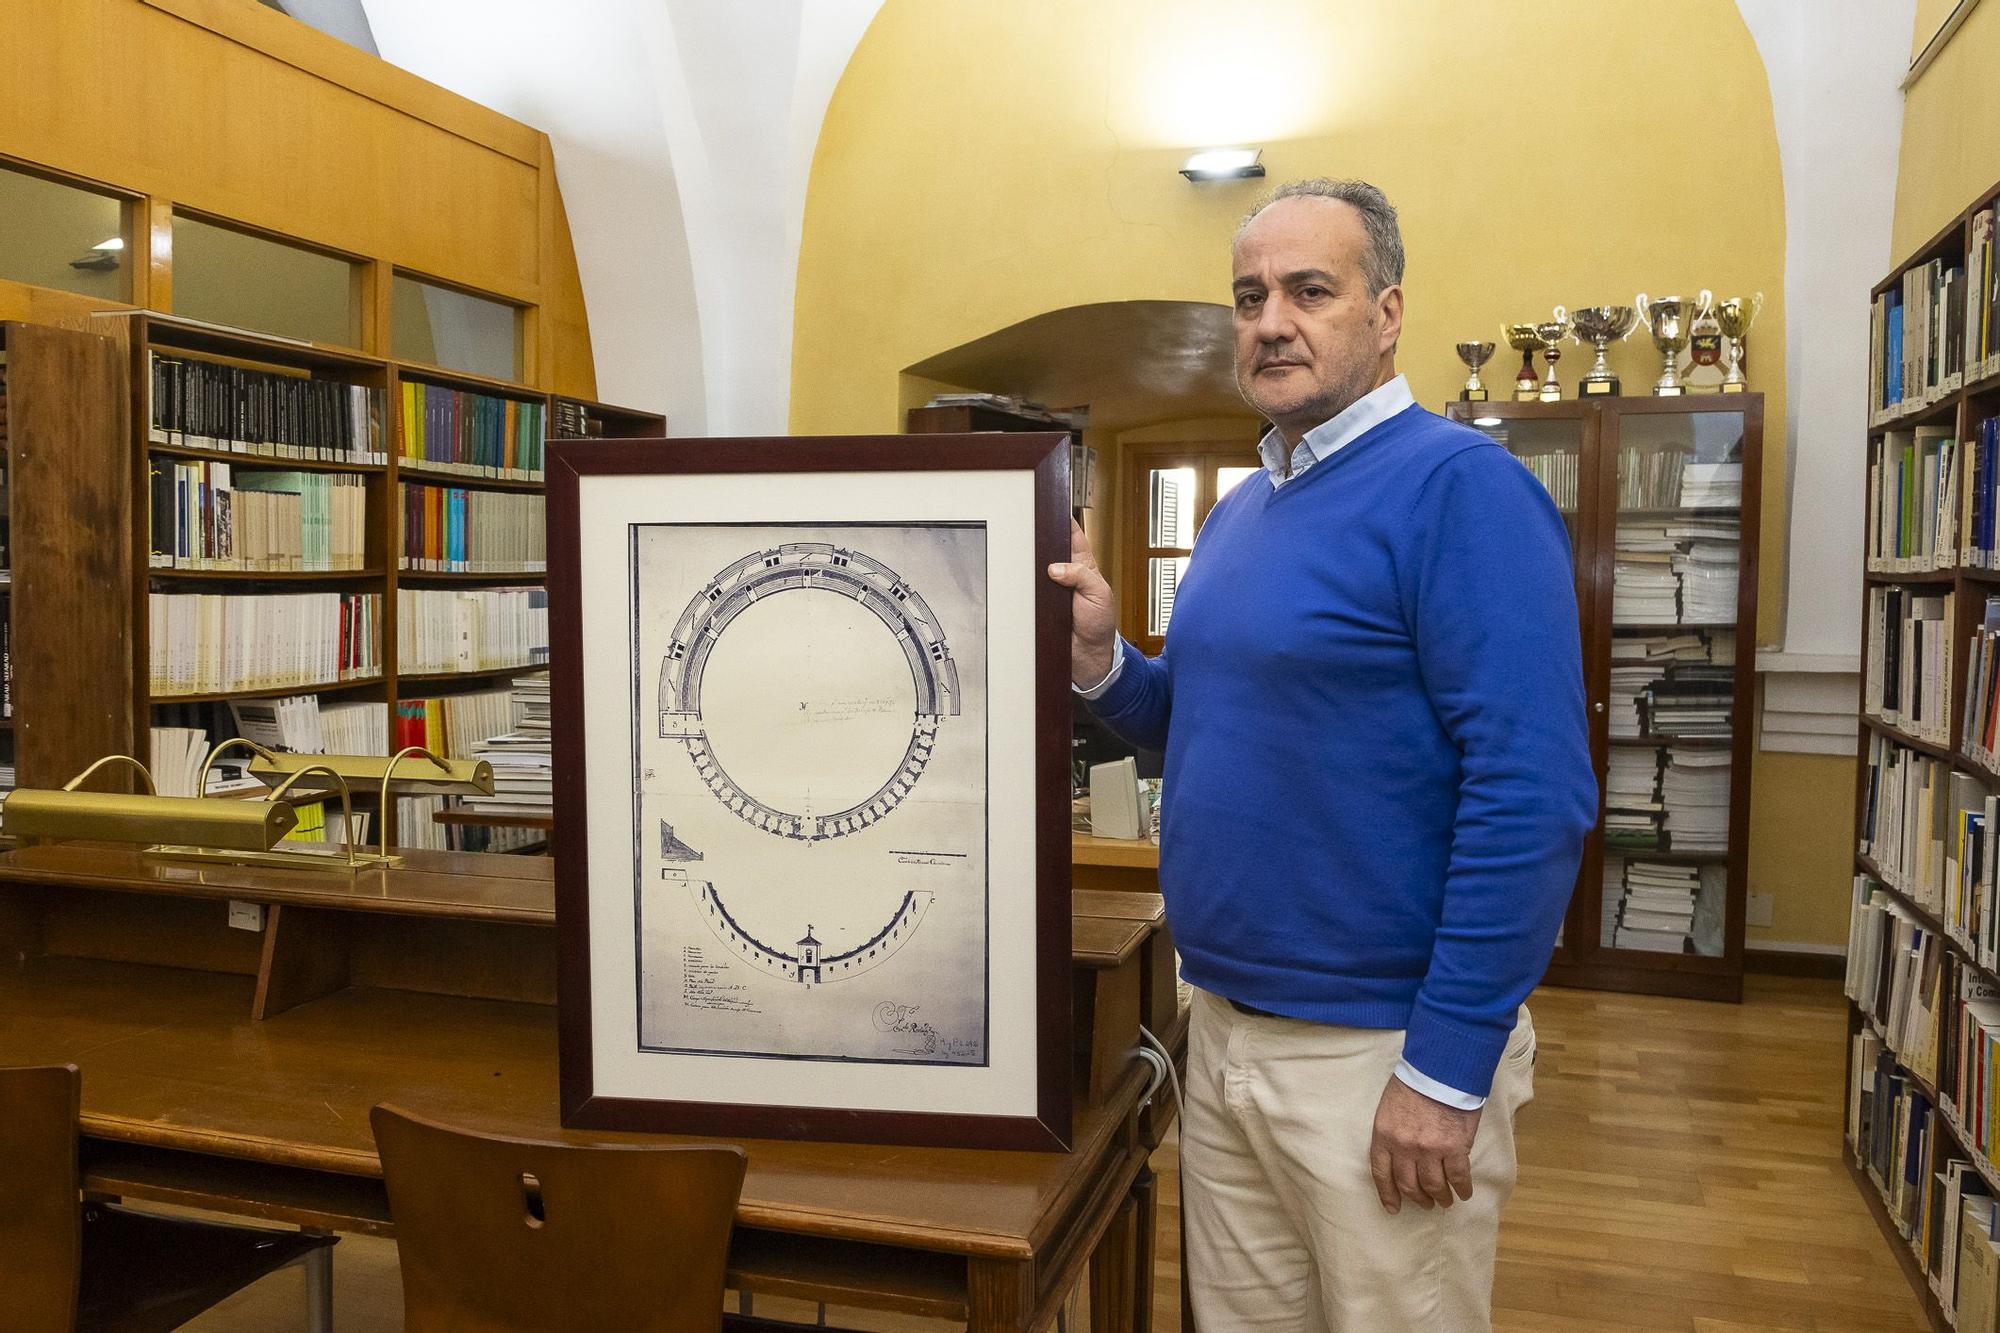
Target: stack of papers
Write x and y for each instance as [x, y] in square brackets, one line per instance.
[523, 770]
[1632, 804]
[1706, 565]
[1696, 794]
[1655, 907]
[1712, 485]
[1691, 700]
[1644, 588]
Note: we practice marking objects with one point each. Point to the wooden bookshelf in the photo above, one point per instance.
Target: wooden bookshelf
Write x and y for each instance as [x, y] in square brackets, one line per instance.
[69, 611]
[1599, 435]
[138, 445]
[1960, 408]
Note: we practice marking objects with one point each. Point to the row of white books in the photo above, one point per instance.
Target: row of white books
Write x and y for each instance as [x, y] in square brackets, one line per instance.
[203, 643]
[1917, 494]
[1557, 470]
[447, 629]
[1893, 974]
[1907, 673]
[1925, 827]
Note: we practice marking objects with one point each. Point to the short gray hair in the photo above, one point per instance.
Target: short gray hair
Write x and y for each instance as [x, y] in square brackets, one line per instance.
[1382, 264]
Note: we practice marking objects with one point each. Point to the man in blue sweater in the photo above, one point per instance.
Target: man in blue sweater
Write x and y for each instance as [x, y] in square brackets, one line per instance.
[1377, 785]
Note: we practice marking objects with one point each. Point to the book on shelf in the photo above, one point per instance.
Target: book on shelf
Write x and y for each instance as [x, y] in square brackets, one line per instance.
[1907, 671]
[204, 643]
[479, 434]
[1982, 313]
[450, 529]
[1916, 500]
[1975, 1287]
[523, 769]
[1981, 715]
[1660, 907]
[226, 516]
[1677, 571]
[202, 404]
[576, 421]
[453, 725]
[1559, 471]
[466, 629]
[1639, 661]
[1917, 340]
[304, 724]
[1904, 817]
[1979, 476]
[1895, 1143]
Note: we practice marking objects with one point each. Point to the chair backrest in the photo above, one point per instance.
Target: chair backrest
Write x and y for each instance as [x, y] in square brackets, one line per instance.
[41, 1228]
[501, 1235]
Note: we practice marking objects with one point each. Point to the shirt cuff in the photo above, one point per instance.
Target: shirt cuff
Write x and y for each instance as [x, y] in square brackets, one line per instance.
[1110, 677]
[1418, 1081]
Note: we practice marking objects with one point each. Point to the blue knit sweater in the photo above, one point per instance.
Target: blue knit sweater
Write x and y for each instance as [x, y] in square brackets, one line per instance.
[1378, 774]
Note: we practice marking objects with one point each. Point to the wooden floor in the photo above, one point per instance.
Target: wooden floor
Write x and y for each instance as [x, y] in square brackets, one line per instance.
[1680, 1171]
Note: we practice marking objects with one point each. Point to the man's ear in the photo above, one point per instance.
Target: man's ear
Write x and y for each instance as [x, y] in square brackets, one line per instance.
[1389, 313]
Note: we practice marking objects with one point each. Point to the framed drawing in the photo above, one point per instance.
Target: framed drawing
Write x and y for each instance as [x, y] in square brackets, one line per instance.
[811, 721]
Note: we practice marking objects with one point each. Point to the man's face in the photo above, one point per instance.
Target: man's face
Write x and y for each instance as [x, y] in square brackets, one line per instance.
[1310, 339]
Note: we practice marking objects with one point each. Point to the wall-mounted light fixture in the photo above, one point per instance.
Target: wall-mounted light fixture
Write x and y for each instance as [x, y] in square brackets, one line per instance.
[1220, 164]
[102, 257]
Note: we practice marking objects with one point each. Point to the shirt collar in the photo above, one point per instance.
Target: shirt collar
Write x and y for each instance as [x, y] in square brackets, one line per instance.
[1364, 414]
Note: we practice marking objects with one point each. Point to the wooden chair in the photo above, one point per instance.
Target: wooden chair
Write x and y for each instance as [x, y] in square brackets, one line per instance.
[100, 1268]
[499, 1235]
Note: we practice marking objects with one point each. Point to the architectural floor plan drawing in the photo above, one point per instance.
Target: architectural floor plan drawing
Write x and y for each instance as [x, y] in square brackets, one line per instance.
[809, 707]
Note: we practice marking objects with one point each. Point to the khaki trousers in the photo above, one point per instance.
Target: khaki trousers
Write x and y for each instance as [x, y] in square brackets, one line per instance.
[1284, 1229]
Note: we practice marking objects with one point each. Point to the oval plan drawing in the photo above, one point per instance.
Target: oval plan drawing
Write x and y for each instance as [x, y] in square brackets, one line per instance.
[807, 963]
[869, 597]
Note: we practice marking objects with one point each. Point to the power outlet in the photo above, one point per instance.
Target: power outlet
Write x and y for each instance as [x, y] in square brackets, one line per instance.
[1758, 911]
[246, 916]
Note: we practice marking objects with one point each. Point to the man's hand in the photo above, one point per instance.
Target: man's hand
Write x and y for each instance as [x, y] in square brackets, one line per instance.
[1422, 1150]
[1093, 635]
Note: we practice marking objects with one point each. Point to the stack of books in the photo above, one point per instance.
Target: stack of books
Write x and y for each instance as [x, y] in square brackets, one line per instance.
[1705, 563]
[1711, 485]
[1656, 906]
[1633, 808]
[1638, 661]
[209, 643]
[452, 530]
[478, 434]
[1557, 470]
[1906, 673]
[1644, 589]
[1690, 700]
[213, 515]
[454, 725]
[1695, 790]
[523, 772]
[1923, 490]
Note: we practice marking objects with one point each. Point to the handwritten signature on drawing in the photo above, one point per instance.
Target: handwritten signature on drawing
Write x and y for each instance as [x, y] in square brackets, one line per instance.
[902, 1020]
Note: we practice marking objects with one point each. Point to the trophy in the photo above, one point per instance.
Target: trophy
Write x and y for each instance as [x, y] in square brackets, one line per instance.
[1736, 316]
[1474, 354]
[1667, 320]
[1598, 325]
[1527, 384]
[1550, 333]
[1704, 346]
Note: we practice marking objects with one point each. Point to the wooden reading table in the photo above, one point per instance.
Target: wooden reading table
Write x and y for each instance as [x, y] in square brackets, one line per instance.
[234, 1069]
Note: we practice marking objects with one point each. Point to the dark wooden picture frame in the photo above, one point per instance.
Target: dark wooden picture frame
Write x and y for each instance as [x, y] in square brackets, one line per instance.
[1045, 456]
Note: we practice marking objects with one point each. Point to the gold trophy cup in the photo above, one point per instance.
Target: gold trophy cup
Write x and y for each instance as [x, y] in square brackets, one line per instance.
[1736, 316]
[1599, 325]
[1527, 384]
[1667, 319]
[1551, 333]
[1475, 355]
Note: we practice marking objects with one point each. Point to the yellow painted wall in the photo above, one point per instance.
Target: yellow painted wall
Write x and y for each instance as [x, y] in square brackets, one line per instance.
[1950, 153]
[1802, 846]
[232, 109]
[986, 161]
[1040, 174]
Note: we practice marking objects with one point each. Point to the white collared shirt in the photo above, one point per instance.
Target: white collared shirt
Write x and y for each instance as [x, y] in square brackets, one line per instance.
[1365, 413]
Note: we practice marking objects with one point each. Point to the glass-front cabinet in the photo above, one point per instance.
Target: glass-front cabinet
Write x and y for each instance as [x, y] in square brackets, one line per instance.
[1660, 496]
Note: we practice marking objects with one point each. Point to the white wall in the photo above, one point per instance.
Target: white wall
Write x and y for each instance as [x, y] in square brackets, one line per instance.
[1834, 89]
[683, 134]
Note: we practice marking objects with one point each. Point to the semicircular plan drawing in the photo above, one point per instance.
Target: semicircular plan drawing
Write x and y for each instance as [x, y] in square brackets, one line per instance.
[808, 964]
[820, 567]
